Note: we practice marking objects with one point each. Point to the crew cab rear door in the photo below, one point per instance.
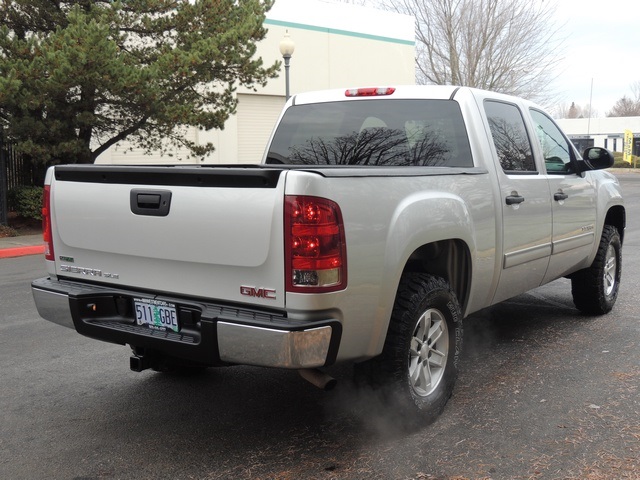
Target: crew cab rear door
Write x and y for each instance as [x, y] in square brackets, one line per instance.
[525, 202]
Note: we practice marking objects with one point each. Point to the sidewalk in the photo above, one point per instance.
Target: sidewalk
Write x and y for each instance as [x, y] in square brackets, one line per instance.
[21, 245]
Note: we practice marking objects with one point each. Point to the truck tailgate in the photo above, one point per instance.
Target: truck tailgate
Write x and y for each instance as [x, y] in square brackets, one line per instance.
[197, 231]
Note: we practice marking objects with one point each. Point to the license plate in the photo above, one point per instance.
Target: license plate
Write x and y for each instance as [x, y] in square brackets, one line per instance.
[156, 313]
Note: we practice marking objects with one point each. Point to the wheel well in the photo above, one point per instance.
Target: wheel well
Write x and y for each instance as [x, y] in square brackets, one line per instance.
[616, 216]
[449, 259]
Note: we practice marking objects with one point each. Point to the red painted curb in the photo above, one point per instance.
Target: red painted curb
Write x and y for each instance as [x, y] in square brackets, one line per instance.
[21, 251]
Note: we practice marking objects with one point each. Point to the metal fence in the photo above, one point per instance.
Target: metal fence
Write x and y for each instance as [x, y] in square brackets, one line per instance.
[3, 186]
[15, 171]
[19, 169]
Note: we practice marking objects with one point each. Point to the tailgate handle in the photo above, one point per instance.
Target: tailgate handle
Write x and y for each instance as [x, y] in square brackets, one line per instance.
[155, 203]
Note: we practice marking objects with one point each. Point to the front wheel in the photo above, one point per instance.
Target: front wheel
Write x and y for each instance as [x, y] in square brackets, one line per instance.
[418, 366]
[595, 289]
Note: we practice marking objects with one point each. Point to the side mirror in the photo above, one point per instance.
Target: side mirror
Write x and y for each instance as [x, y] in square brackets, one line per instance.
[595, 158]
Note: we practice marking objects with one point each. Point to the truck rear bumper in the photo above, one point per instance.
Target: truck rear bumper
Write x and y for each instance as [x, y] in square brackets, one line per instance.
[53, 306]
[210, 334]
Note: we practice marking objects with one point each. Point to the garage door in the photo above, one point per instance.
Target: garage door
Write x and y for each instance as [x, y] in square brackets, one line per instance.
[257, 114]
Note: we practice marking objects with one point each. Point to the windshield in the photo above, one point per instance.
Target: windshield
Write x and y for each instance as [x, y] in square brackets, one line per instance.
[373, 133]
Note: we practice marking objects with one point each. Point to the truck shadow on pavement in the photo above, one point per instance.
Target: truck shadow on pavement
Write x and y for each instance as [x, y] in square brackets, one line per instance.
[263, 423]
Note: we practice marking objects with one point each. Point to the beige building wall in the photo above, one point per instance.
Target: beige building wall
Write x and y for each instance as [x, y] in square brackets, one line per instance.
[336, 46]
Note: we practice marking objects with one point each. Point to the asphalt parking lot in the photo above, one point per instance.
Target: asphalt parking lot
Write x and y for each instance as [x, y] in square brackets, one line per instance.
[543, 393]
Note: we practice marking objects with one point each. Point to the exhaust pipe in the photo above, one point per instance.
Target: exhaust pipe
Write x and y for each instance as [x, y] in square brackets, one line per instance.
[318, 378]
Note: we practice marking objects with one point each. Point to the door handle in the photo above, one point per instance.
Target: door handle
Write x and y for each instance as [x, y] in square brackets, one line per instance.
[514, 199]
[560, 196]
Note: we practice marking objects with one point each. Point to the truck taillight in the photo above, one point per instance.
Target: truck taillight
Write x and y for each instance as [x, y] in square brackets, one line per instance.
[47, 234]
[315, 248]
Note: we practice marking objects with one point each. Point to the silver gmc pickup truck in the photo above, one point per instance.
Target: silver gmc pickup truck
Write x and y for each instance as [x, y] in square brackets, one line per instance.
[378, 219]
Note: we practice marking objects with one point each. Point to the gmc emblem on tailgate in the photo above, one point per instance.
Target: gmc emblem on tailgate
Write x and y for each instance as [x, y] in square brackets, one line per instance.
[268, 293]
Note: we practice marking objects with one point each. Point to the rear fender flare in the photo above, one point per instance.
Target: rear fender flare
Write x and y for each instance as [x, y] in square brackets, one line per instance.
[426, 218]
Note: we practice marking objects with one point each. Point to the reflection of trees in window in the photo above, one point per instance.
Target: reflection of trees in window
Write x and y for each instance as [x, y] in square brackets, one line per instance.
[512, 145]
[372, 146]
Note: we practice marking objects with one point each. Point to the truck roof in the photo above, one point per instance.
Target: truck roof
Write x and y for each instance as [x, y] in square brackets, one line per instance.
[399, 91]
[432, 92]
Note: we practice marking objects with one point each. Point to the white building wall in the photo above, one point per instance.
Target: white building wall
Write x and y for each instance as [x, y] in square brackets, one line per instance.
[606, 132]
[336, 46]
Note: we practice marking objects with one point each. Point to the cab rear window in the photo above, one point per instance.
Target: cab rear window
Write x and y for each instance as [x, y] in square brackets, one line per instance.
[373, 133]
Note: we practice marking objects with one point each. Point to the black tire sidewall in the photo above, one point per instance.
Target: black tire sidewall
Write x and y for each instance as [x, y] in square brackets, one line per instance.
[417, 293]
[445, 302]
[613, 239]
[588, 286]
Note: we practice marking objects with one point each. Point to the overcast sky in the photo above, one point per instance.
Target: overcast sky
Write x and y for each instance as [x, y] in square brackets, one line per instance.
[602, 43]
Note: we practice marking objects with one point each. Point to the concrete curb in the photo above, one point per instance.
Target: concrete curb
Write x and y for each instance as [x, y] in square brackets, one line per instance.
[21, 245]
[21, 251]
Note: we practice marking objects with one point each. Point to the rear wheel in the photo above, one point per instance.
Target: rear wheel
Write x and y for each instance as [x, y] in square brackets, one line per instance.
[418, 366]
[595, 289]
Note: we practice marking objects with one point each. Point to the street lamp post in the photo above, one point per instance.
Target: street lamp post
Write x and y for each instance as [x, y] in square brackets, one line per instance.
[286, 50]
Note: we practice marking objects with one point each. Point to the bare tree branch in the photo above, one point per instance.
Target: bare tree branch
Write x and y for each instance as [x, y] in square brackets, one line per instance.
[625, 107]
[505, 46]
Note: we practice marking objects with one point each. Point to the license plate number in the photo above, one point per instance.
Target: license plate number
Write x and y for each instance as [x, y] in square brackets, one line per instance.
[156, 313]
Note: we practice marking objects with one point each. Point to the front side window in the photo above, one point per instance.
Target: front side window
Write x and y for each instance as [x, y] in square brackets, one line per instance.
[510, 137]
[556, 149]
[373, 132]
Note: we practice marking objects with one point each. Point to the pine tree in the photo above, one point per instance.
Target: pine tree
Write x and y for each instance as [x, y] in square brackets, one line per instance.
[78, 76]
[574, 112]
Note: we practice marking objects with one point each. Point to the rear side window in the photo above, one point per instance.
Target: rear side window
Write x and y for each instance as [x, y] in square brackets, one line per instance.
[510, 137]
[373, 133]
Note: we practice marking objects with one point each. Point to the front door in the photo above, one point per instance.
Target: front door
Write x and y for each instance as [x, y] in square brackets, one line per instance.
[573, 200]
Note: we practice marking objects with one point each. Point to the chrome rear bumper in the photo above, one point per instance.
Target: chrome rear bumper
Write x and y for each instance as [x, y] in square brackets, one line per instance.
[53, 306]
[214, 339]
[250, 345]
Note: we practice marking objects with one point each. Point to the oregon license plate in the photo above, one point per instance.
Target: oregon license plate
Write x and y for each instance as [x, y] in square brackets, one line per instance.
[156, 314]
